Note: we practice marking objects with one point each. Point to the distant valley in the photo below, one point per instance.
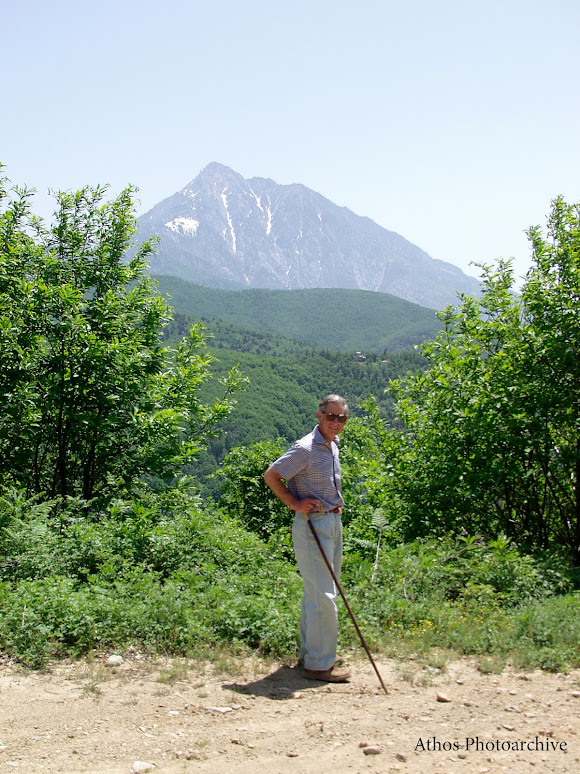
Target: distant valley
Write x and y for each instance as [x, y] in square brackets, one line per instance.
[294, 346]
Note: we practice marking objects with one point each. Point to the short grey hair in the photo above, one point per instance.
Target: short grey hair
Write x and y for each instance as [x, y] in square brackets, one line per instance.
[332, 398]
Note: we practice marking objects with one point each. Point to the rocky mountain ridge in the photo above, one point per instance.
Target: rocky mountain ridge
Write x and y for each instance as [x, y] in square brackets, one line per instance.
[222, 230]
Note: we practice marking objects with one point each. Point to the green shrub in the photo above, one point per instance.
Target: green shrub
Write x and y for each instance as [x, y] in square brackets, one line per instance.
[245, 493]
[471, 597]
[158, 570]
[155, 569]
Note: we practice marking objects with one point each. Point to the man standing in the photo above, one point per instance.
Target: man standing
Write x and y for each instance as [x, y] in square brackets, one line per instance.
[311, 470]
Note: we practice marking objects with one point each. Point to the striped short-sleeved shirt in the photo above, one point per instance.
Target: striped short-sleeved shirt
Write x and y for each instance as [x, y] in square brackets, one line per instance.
[312, 469]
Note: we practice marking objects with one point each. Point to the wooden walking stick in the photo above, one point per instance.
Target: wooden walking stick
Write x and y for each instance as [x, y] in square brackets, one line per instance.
[356, 626]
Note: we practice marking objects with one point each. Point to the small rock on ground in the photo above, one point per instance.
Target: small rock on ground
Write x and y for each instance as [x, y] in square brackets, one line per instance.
[141, 767]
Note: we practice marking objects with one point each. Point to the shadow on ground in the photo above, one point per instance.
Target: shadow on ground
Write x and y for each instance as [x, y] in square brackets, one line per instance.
[279, 685]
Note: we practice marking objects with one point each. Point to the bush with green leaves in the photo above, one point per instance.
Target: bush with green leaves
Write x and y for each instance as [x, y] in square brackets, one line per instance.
[372, 508]
[245, 493]
[469, 596]
[154, 569]
[463, 567]
[159, 571]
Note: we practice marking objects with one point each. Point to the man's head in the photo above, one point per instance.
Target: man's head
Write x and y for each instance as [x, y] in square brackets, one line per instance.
[332, 414]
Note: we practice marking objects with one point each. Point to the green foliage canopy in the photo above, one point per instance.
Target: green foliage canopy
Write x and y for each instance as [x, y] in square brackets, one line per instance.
[89, 395]
[246, 494]
[493, 425]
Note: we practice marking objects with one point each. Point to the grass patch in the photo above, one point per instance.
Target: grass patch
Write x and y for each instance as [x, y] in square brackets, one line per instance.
[491, 665]
[177, 672]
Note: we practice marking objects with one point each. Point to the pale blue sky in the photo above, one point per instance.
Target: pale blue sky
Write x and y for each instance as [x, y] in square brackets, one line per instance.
[452, 123]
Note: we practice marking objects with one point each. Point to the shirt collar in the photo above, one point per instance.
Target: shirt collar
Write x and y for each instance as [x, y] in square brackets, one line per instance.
[319, 438]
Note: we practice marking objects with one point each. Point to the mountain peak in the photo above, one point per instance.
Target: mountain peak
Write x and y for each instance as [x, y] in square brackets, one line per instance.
[214, 172]
[222, 230]
[215, 168]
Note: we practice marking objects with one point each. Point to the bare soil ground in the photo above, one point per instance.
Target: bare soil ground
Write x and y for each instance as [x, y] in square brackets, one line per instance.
[176, 716]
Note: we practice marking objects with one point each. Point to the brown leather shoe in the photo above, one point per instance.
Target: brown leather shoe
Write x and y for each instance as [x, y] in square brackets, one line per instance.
[331, 675]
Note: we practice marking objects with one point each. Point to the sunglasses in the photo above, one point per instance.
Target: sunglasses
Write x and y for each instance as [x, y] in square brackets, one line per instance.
[340, 417]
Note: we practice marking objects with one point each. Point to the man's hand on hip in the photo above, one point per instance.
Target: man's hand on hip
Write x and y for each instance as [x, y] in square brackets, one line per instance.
[307, 505]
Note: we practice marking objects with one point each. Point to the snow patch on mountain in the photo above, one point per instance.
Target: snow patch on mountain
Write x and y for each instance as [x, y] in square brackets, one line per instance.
[186, 226]
[258, 200]
[230, 224]
[269, 213]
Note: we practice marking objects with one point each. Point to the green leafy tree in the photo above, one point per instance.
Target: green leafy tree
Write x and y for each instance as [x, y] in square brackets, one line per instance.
[492, 439]
[89, 395]
[552, 301]
[459, 462]
[367, 453]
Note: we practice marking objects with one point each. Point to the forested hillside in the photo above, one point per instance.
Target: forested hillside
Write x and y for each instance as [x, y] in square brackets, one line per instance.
[285, 382]
[340, 320]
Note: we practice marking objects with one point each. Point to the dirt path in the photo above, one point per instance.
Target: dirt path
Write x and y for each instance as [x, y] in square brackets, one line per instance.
[171, 717]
